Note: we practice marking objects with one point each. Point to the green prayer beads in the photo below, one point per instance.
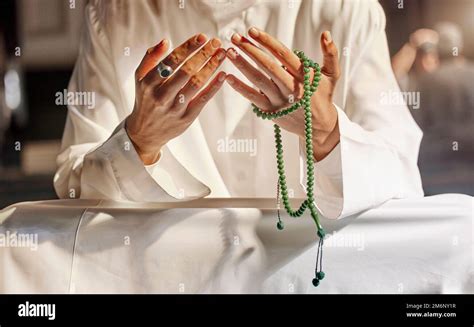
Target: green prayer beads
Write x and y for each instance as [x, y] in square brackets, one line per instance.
[309, 89]
[305, 103]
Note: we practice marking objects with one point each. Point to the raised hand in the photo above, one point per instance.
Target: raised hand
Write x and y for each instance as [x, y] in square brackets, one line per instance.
[166, 106]
[280, 86]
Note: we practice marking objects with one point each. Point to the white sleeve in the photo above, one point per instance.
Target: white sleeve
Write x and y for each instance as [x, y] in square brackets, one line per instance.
[376, 159]
[97, 159]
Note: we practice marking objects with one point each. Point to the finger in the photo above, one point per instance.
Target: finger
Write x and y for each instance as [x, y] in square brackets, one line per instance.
[199, 79]
[254, 96]
[177, 57]
[267, 86]
[171, 87]
[330, 57]
[197, 104]
[281, 77]
[151, 58]
[279, 50]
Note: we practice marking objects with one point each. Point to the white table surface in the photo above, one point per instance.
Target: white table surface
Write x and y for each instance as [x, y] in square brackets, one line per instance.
[232, 246]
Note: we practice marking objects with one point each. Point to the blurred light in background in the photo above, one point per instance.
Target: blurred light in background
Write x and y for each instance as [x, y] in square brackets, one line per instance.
[12, 89]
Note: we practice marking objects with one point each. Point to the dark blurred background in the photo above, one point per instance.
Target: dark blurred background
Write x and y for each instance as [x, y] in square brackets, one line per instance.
[39, 41]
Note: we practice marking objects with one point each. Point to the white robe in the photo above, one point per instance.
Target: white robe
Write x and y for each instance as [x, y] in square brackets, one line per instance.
[376, 159]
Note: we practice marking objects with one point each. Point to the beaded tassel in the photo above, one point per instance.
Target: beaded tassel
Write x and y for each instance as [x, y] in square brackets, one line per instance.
[305, 103]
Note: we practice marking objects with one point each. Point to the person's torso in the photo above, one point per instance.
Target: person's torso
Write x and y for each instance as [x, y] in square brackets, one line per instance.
[239, 145]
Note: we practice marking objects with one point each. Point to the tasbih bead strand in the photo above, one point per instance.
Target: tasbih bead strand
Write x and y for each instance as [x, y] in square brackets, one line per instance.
[282, 177]
[305, 103]
[280, 224]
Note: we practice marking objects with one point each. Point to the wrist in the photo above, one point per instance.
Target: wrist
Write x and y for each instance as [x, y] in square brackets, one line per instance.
[149, 158]
[147, 155]
[324, 144]
[325, 133]
[324, 123]
[326, 140]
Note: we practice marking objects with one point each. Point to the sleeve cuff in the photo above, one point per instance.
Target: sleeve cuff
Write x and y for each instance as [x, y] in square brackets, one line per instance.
[165, 180]
[151, 168]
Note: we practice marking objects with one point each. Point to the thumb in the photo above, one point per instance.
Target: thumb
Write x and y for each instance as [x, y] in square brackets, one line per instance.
[330, 58]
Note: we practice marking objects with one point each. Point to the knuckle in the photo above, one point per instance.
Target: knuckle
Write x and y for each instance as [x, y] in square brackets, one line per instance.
[195, 82]
[284, 52]
[213, 63]
[175, 111]
[182, 75]
[239, 88]
[254, 97]
[172, 59]
[200, 56]
[207, 51]
[187, 69]
[187, 46]
[273, 66]
[333, 52]
[190, 44]
[241, 63]
[205, 98]
[259, 80]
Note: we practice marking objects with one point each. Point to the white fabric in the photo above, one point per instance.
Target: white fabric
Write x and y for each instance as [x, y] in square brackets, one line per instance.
[91, 246]
[374, 162]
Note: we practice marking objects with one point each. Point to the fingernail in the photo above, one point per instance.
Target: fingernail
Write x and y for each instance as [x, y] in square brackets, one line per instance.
[150, 50]
[222, 76]
[215, 43]
[244, 39]
[327, 36]
[254, 32]
[231, 53]
[220, 54]
[236, 37]
[201, 38]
